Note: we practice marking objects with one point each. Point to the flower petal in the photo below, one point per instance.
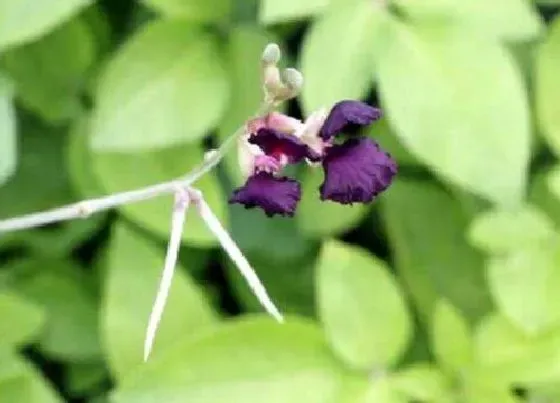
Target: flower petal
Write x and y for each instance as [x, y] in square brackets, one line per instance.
[275, 143]
[346, 113]
[356, 171]
[274, 195]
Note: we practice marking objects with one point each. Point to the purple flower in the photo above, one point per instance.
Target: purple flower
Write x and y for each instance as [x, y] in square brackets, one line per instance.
[348, 113]
[275, 195]
[356, 171]
[278, 144]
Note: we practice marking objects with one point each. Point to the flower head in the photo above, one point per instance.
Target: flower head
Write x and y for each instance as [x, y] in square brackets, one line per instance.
[275, 195]
[356, 171]
[348, 113]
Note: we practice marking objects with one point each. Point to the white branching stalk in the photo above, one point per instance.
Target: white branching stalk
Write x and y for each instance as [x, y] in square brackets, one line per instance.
[180, 208]
[235, 254]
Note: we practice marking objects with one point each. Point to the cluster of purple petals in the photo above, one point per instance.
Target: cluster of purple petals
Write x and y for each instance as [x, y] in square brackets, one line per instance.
[356, 171]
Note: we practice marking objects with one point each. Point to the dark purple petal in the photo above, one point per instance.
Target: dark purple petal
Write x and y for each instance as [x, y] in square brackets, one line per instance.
[356, 171]
[274, 195]
[346, 113]
[275, 143]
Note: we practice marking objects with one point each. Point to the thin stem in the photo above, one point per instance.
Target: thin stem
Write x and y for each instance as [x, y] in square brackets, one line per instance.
[235, 254]
[85, 208]
[180, 208]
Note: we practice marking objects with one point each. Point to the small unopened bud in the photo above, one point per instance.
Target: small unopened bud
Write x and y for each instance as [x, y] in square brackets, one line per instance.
[292, 83]
[293, 79]
[271, 54]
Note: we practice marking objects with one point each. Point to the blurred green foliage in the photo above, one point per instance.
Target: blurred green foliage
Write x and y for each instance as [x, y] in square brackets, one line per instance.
[446, 289]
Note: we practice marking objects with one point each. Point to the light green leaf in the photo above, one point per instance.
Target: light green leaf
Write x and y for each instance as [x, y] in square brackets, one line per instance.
[21, 382]
[480, 388]
[170, 69]
[25, 20]
[509, 355]
[244, 50]
[506, 19]
[119, 172]
[70, 332]
[274, 11]
[548, 85]
[135, 264]
[526, 285]
[333, 73]
[361, 306]
[456, 68]
[382, 133]
[541, 195]
[422, 382]
[8, 133]
[240, 362]
[452, 341]
[21, 319]
[432, 255]
[318, 218]
[44, 84]
[193, 10]
[382, 391]
[504, 231]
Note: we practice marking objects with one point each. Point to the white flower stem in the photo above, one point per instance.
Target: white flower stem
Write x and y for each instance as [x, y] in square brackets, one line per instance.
[180, 208]
[235, 254]
[85, 208]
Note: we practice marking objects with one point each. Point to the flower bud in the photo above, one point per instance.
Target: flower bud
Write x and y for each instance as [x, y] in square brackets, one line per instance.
[271, 54]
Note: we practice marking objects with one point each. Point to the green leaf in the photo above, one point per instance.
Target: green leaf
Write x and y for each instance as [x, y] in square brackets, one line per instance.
[45, 85]
[318, 218]
[422, 382]
[84, 377]
[79, 160]
[21, 382]
[452, 341]
[526, 285]
[432, 255]
[240, 362]
[333, 73]
[70, 332]
[361, 306]
[541, 195]
[25, 20]
[504, 231]
[509, 355]
[135, 264]
[289, 282]
[274, 11]
[506, 19]
[244, 51]
[170, 69]
[382, 133]
[119, 172]
[480, 388]
[21, 320]
[547, 86]
[8, 133]
[193, 10]
[456, 68]
[41, 156]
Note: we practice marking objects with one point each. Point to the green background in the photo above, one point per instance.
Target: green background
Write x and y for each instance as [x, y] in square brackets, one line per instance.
[445, 289]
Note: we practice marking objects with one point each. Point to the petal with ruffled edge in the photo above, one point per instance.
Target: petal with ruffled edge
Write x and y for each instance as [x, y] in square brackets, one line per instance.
[275, 195]
[276, 144]
[347, 113]
[356, 171]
